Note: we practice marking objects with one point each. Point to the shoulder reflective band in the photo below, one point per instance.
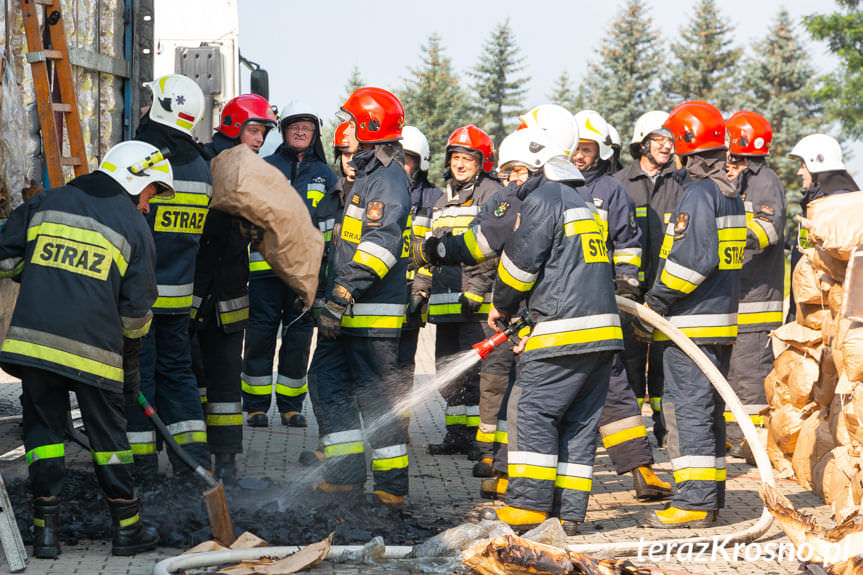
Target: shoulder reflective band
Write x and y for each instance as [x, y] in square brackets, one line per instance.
[515, 277]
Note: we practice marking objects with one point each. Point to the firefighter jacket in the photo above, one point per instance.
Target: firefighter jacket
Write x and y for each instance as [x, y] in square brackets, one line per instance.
[655, 200]
[762, 279]
[696, 287]
[617, 211]
[371, 253]
[453, 213]
[558, 245]
[311, 177]
[86, 262]
[424, 196]
[328, 211]
[222, 265]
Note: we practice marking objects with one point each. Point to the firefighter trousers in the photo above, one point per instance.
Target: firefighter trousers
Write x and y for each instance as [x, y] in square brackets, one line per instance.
[45, 402]
[168, 382]
[494, 377]
[461, 393]
[621, 425]
[271, 303]
[643, 369]
[218, 359]
[751, 362]
[552, 418]
[357, 377]
[406, 365]
[696, 428]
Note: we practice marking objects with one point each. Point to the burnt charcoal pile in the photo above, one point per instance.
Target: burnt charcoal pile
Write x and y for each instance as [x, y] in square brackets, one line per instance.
[281, 514]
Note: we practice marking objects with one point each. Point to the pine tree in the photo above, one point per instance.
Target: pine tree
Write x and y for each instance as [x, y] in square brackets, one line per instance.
[354, 81]
[705, 62]
[778, 85]
[498, 93]
[624, 84]
[434, 101]
[841, 90]
[562, 93]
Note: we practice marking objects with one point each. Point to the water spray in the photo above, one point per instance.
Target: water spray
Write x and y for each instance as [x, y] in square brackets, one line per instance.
[486, 346]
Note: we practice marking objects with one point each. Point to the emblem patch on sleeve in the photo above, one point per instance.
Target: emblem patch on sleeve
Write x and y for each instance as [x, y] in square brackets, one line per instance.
[501, 209]
[374, 211]
[681, 224]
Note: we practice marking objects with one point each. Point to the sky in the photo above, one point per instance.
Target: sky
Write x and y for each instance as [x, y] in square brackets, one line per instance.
[309, 48]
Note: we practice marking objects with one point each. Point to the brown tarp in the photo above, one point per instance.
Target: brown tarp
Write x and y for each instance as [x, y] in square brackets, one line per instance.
[247, 186]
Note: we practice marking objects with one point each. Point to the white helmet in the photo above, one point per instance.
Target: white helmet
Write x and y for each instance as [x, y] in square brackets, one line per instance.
[615, 137]
[648, 123]
[135, 165]
[557, 121]
[820, 153]
[535, 148]
[415, 142]
[591, 126]
[178, 102]
[299, 110]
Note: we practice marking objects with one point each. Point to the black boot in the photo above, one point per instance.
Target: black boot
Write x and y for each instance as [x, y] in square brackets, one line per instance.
[131, 535]
[46, 533]
[226, 468]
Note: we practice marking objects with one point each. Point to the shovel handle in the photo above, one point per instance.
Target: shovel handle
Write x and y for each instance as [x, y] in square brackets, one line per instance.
[151, 414]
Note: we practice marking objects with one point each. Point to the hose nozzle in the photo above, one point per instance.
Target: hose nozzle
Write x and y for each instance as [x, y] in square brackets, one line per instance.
[486, 346]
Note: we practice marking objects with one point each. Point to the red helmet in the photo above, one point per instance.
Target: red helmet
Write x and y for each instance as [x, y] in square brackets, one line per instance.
[696, 127]
[749, 134]
[472, 138]
[242, 109]
[378, 114]
[340, 142]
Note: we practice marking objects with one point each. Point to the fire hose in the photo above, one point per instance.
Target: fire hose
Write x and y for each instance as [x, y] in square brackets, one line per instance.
[686, 345]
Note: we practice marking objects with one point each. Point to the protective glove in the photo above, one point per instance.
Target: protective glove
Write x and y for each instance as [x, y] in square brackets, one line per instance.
[627, 286]
[641, 330]
[429, 251]
[249, 230]
[330, 321]
[470, 303]
[131, 373]
[415, 306]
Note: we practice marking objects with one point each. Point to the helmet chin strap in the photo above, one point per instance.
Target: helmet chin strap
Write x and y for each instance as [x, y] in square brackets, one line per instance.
[645, 151]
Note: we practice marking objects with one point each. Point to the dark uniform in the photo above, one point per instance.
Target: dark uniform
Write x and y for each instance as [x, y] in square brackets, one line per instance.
[563, 375]
[458, 328]
[273, 302]
[352, 371]
[167, 379]
[761, 292]
[655, 200]
[696, 289]
[220, 312]
[86, 262]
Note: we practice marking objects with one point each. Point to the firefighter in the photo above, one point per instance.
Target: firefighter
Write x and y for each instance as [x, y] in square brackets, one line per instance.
[822, 173]
[301, 159]
[554, 407]
[424, 195]
[696, 289]
[220, 304]
[167, 379]
[762, 279]
[86, 263]
[621, 425]
[459, 297]
[359, 327]
[614, 136]
[653, 185]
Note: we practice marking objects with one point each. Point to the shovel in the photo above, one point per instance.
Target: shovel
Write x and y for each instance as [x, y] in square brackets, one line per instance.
[214, 497]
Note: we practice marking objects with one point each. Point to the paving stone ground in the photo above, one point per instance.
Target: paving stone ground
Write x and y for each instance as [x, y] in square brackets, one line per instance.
[444, 483]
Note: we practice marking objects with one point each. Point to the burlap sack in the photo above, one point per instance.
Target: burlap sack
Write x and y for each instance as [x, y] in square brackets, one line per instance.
[799, 337]
[852, 352]
[822, 391]
[821, 260]
[838, 423]
[781, 463]
[857, 487]
[834, 223]
[813, 442]
[805, 283]
[801, 381]
[852, 411]
[834, 297]
[785, 424]
[840, 466]
[813, 315]
[245, 185]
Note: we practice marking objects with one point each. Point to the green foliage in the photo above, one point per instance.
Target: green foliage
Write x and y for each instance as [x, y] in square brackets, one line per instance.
[498, 93]
[434, 101]
[778, 85]
[705, 63]
[562, 93]
[331, 122]
[840, 91]
[624, 83]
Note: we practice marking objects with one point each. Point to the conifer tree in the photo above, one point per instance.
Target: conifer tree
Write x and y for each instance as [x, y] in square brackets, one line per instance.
[625, 82]
[498, 92]
[562, 93]
[705, 62]
[434, 101]
[331, 122]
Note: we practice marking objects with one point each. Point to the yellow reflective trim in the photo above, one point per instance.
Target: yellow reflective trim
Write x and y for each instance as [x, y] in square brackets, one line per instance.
[424, 271]
[723, 331]
[472, 246]
[391, 463]
[173, 301]
[112, 457]
[257, 389]
[803, 238]
[180, 219]
[143, 448]
[573, 483]
[667, 242]
[472, 421]
[63, 358]
[655, 403]
[64, 232]
[420, 231]
[676, 283]
[191, 437]
[594, 248]
[444, 309]
[314, 195]
[259, 266]
[623, 436]
[108, 166]
[49, 451]
[699, 474]
[455, 419]
[457, 224]
[352, 230]
[139, 332]
[339, 449]
[574, 337]
[508, 279]
[182, 198]
[759, 317]
[501, 437]
[731, 234]
[473, 296]
[185, 124]
[374, 263]
[763, 240]
[373, 321]
[484, 437]
[38, 522]
[288, 391]
[756, 419]
[578, 227]
[130, 520]
[731, 255]
[532, 471]
[224, 419]
[641, 211]
[229, 317]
